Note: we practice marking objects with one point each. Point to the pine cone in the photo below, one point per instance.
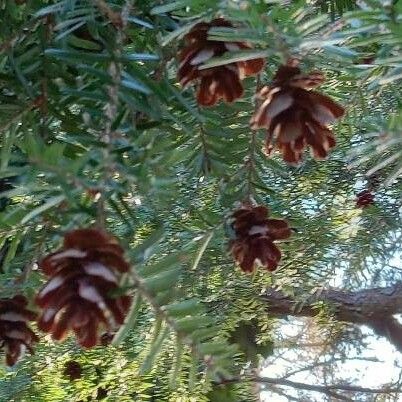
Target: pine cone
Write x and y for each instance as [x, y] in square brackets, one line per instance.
[364, 199]
[106, 339]
[101, 393]
[215, 83]
[374, 181]
[72, 370]
[255, 236]
[77, 296]
[15, 335]
[295, 116]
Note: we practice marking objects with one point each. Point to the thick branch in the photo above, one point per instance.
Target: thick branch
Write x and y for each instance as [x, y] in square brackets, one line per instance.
[373, 307]
[331, 390]
[326, 389]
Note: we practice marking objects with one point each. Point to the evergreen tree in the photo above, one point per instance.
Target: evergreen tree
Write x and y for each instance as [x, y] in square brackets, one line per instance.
[200, 200]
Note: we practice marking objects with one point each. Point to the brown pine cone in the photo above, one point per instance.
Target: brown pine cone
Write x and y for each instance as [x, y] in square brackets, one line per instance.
[15, 335]
[82, 276]
[101, 393]
[215, 83]
[255, 236]
[295, 116]
[106, 338]
[374, 181]
[364, 199]
[72, 370]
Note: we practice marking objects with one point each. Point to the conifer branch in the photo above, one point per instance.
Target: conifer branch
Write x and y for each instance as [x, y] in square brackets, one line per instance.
[329, 390]
[372, 307]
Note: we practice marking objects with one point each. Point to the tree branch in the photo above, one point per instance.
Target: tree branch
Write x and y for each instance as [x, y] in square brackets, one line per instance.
[331, 390]
[326, 389]
[372, 307]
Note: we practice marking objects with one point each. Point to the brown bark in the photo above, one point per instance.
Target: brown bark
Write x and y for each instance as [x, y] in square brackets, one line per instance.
[372, 307]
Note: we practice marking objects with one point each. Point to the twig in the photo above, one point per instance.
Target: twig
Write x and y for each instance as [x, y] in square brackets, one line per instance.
[250, 161]
[49, 26]
[279, 391]
[203, 135]
[329, 390]
[325, 363]
[325, 388]
[22, 33]
[36, 103]
[26, 272]
[279, 38]
[114, 70]
[114, 17]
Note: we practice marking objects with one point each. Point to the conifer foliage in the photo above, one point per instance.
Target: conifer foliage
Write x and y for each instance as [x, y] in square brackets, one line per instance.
[164, 143]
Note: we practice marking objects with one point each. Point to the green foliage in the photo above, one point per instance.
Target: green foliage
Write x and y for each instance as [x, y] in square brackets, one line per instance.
[245, 335]
[95, 127]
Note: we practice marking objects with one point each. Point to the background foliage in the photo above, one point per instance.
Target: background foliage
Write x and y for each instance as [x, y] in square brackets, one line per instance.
[95, 126]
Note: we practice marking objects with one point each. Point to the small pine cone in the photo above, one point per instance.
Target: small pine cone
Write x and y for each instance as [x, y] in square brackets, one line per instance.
[106, 339]
[255, 236]
[101, 393]
[374, 181]
[295, 116]
[77, 297]
[215, 83]
[15, 335]
[364, 199]
[72, 370]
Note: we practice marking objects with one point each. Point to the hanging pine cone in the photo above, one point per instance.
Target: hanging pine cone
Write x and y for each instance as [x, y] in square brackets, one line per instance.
[77, 297]
[295, 116]
[374, 181]
[364, 199]
[215, 83]
[106, 339]
[15, 335]
[72, 370]
[101, 393]
[255, 236]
